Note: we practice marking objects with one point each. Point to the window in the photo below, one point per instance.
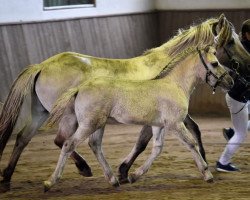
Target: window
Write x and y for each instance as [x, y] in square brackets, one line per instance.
[61, 4]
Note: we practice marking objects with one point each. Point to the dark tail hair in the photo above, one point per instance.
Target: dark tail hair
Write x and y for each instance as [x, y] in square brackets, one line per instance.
[22, 86]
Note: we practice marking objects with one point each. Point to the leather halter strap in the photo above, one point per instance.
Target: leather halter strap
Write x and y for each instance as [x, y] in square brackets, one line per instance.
[210, 73]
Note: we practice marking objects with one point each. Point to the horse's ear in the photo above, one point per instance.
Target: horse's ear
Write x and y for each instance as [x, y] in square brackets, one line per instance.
[221, 20]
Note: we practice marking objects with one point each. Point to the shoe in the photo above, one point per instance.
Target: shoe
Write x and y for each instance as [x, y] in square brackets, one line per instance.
[228, 133]
[226, 168]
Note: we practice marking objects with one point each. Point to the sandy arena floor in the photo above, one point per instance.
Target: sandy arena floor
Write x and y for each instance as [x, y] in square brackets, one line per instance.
[172, 176]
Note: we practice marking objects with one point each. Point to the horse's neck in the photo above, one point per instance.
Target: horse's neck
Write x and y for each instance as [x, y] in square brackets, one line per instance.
[148, 66]
[185, 74]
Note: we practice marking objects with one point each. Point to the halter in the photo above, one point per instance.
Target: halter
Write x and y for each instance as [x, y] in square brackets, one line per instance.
[210, 73]
[235, 64]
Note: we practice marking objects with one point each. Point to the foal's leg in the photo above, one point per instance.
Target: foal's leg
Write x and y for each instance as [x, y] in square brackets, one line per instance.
[95, 143]
[193, 127]
[141, 144]
[81, 134]
[67, 127]
[185, 136]
[158, 139]
[38, 116]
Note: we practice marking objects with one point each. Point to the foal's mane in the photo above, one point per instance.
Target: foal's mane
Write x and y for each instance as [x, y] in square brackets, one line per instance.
[171, 65]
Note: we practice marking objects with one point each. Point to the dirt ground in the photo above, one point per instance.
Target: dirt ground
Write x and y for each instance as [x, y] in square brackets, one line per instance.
[172, 176]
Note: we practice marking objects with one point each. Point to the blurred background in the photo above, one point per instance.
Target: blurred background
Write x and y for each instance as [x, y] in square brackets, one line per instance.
[32, 31]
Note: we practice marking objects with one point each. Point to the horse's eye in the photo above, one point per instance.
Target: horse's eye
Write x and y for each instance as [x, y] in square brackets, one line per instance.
[230, 42]
[215, 64]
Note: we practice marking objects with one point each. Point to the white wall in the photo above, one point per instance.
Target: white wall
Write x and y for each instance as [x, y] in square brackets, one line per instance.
[201, 4]
[16, 11]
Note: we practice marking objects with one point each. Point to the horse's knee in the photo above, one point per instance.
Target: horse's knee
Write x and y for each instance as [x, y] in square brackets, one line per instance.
[157, 149]
[59, 140]
[69, 146]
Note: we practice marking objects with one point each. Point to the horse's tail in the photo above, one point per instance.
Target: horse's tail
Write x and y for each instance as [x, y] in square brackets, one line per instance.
[22, 86]
[60, 105]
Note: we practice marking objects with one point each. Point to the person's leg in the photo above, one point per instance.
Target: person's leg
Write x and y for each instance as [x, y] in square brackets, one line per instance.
[240, 122]
[229, 132]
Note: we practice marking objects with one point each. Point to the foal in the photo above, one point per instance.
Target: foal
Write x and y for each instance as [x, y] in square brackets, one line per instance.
[165, 108]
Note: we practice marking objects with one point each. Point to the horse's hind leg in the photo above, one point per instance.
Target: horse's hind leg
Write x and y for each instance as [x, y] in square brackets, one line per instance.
[185, 136]
[38, 116]
[193, 127]
[158, 139]
[95, 143]
[141, 143]
[67, 127]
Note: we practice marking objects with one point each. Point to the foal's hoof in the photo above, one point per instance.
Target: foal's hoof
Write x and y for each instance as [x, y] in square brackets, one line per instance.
[114, 182]
[47, 185]
[208, 177]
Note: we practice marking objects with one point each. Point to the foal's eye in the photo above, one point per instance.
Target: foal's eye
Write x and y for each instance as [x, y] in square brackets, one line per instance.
[215, 64]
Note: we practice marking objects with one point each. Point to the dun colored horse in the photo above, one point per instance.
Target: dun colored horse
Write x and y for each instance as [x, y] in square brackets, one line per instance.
[164, 107]
[36, 89]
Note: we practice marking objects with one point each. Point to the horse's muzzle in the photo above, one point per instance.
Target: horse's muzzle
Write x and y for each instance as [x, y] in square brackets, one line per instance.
[227, 82]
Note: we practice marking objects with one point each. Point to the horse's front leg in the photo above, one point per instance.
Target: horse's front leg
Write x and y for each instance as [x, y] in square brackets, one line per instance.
[158, 139]
[81, 134]
[193, 127]
[95, 143]
[140, 145]
[67, 128]
[186, 137]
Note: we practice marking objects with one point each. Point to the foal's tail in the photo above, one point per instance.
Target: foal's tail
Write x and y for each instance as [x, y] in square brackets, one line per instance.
[59, 107]
[21, 87]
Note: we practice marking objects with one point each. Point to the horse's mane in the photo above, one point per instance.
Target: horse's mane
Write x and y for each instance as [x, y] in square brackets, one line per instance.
[195, 36]
[186, 41]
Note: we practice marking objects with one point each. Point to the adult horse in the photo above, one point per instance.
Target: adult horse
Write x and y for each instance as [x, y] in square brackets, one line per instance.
[37, 87]
[164, 108]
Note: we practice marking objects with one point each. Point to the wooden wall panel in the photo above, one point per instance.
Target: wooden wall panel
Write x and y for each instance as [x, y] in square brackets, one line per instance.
[114, 37]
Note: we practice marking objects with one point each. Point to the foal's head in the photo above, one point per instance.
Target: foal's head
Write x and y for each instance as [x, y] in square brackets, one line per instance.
[212, 71]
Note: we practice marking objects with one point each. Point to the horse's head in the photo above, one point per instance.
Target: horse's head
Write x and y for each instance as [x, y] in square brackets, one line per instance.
[214, 74]
[230, 51]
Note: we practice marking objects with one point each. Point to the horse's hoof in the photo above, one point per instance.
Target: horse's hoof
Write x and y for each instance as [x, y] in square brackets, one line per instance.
[208, 177]
[123, 180]
[47, 185]
[4, 187]
[114, 182]
[132, 178]
[86, 173]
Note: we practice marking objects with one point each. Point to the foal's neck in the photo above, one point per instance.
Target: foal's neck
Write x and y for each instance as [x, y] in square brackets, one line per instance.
[185, 74]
